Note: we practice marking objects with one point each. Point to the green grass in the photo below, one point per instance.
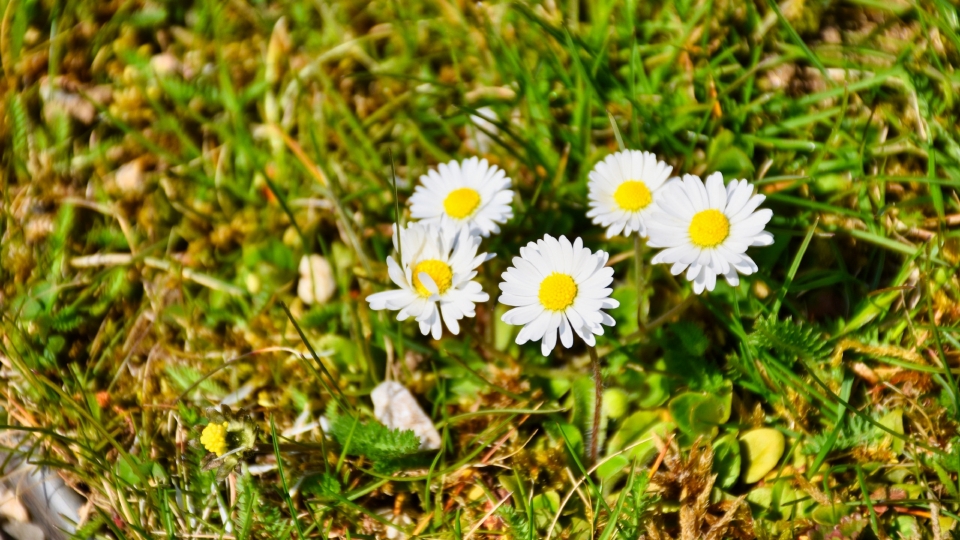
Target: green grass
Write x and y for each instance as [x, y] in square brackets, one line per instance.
[166, 166]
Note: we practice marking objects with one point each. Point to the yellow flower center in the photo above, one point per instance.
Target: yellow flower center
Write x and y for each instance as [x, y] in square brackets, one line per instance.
[633, 195]
[439, 272]
[460, 203]
[709, 228]
[214, 438]
[557, 291]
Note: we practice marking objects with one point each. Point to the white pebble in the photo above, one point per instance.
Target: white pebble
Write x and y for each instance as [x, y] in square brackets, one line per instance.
[316, 280]
[11, 507]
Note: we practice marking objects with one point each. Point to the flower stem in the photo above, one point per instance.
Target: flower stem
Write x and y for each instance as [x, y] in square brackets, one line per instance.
[598, 406]
[638, 248]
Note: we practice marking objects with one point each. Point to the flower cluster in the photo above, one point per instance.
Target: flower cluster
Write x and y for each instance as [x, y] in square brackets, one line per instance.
[705, 228]
[558, 287]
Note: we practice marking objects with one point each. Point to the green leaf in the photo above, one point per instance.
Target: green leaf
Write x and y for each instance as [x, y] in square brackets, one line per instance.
[626, 312]
[907, 528]
[726, 460]
[342, 350]
[631, 428]
[830, 515]
[761, 496]
[697, 413]
[612, 467]
[545, 506]
[893, 420]
[184, 377]
[583, 392]
[324, 485]
[31, 309]
[789, 340]
[761, 450]
[517, 524]
[614, 403]
[684, 346]
[691, 337]
[562, 431]
[654, 390]
[125, 471]
[372, 439]
[779, 500]
[504, 332]
[725, 155]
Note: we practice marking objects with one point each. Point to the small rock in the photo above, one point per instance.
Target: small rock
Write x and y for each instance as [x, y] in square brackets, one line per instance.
[57, 101]
[165, 64]
[129, 177]
[316, 280]
[395, 407]
[23, 531]
[11, 507]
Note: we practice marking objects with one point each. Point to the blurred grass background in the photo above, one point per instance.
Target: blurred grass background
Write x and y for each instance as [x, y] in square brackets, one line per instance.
[166, 165]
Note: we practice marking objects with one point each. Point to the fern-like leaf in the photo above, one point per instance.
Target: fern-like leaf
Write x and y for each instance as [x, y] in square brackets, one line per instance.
[21, 129]
[788, 339]
[855, 432]
[518, 526]
[184, 377]
[66, 320]
[372, 439]
[638, 502]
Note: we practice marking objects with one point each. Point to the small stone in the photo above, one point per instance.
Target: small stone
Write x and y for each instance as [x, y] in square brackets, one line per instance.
[57, 101]
[395, 407]
[129, 177]
[316, 280]
[165, 64]
[11, 507]
[23, 531]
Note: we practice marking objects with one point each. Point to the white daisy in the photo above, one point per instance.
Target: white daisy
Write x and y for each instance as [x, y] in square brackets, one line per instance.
[468, 195]
[706, 229]
[435, 277]
[622, 189]
[555, 285]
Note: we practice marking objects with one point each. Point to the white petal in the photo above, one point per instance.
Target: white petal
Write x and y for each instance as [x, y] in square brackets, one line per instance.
[451, 315]
[732, 277]
[535, 330]
[428, 283]
[762, 239]
[522, 315]
[716, 194]
[550, 336]
[393, 300]
[566, 333]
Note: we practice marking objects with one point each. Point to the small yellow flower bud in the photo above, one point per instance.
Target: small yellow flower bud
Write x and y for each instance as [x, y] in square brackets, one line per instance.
[214, 438]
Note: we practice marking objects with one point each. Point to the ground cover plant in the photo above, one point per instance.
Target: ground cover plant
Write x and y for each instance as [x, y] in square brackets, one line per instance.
[200, 284]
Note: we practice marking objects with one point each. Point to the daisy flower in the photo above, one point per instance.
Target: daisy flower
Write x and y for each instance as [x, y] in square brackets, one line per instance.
[555, 285]
[435, 276]
[706, 229]
[622, 190]
[471, 194]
